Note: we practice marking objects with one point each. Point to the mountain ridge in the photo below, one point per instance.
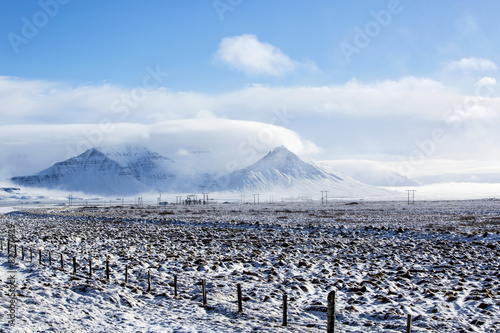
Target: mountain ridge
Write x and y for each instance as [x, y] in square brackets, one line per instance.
[132, 170]
[90, 170]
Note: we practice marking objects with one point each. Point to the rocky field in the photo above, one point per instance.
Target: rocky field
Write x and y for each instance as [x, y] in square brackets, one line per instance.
[438, 261]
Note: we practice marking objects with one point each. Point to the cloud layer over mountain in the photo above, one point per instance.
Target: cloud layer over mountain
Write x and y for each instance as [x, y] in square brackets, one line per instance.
[133, 170]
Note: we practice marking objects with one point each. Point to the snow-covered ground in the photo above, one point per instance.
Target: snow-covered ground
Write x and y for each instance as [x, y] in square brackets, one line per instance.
[437, 261]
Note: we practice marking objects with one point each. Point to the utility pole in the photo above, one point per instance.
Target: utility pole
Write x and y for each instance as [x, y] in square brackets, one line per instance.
[256, 196]
[70, 198]
[205, 198]
[324, 197]
[412, 201]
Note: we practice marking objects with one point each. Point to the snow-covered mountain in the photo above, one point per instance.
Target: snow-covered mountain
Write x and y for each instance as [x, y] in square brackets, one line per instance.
[105, 170]
[149, 168]
[91, 172]
[282, 170]
[126, 170]
[132, 170]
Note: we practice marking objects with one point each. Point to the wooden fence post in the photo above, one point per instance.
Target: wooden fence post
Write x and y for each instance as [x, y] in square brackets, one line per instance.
[175, 285]
[408, 324]
[1, 244]
[204, 291]
[90, 267]
[50, 258]
[240, 302]
[149, 282]
[40, 256]
[107, 269]
[74, 265]
[285, 309]
[331, 312]
[62, 262]
[126, 274]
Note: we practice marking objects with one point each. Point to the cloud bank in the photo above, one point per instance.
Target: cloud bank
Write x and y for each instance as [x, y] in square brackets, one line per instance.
[45, 122]
[28, 102]
[226, 144]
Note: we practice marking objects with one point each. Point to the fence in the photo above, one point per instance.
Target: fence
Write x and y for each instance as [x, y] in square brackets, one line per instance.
[331, 316]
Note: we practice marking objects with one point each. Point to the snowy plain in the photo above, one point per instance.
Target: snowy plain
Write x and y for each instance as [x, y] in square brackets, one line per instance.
[435, 260]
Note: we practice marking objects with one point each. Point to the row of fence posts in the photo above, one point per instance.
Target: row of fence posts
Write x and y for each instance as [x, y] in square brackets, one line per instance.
[330, 298]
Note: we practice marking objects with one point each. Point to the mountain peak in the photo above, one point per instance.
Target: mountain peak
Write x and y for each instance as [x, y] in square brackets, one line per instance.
[280, 156]
[281, 150]
[280, 168]
[280, 153]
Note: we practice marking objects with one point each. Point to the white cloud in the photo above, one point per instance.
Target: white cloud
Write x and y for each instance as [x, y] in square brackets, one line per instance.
[487, 81]
[355, 118]
[246, 53]
[421, 98]
[26, 149]
[30, 101]
[51, 103]
[472, 64]
[33, 102]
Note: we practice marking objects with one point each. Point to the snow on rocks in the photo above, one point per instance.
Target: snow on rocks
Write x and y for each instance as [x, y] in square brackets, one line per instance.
[384, 259]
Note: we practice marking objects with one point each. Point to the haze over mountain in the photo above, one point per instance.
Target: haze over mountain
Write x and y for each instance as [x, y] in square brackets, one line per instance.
[369, 172]
[132, 170]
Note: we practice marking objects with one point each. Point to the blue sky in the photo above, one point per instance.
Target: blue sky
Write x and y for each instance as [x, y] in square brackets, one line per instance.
[357, 79]
[111, 41]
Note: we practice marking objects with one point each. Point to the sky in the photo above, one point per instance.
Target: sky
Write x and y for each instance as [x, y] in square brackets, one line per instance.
[408, 84]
